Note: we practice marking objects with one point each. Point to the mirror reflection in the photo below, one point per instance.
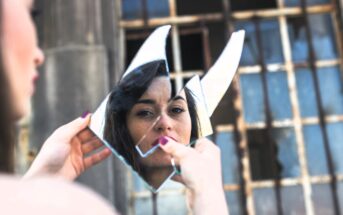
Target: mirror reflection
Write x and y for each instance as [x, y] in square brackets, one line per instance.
[141, 110]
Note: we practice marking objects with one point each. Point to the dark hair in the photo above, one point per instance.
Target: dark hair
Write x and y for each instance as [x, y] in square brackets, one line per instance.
[6, 121]
[123, 97]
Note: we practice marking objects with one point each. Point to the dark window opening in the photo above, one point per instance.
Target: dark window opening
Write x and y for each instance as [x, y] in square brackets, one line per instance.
[185, 7]
[241, 5]
[192, 51]
[261, 156]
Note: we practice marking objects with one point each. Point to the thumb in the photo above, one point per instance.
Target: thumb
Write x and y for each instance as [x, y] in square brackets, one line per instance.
[173, 148]
[74, 127]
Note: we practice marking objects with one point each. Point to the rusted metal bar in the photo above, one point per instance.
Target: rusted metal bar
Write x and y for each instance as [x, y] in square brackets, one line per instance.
[206, 47]
[297, 123]
[240, 131]
[290, 122]
[145, 13]
[270, 142]
[292, 11]
[322, 124]
[154, 203]
[215, 17]
[277, 67]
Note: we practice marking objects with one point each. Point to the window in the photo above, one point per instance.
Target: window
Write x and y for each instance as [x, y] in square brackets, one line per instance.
[280, 125]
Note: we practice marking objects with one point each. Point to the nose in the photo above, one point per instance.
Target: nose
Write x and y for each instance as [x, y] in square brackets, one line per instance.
[164, 123]
[39, 57]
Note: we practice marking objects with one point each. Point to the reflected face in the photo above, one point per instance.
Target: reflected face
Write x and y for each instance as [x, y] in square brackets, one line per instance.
[155, 115]
[21, 54]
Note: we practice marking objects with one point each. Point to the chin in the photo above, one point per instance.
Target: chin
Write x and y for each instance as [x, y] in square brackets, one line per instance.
[21, 111]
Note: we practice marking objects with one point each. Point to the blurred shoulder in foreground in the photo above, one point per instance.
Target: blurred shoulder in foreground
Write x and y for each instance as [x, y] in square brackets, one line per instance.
[49, 196]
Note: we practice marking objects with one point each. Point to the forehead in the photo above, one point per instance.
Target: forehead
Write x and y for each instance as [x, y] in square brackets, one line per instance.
[160, 87]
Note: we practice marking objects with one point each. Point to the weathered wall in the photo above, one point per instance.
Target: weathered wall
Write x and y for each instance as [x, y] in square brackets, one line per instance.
[80, 40]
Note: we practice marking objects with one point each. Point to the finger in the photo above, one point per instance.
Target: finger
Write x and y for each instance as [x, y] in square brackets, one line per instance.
[175, 149]
[204, 144]
[74, 127]
[86, 134]
[91, 145]
[206, 147]
[96, 158]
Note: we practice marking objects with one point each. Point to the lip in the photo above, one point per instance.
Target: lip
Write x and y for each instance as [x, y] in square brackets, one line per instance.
[34, 80]
[156, 142]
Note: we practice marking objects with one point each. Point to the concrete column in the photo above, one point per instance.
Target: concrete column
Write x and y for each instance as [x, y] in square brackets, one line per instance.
[75, 76]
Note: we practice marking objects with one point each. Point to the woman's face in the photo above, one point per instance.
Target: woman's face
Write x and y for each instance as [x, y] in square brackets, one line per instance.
[155, 115]
[21, 54]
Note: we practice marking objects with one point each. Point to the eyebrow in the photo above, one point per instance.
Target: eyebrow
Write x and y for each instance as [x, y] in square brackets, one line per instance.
[151, 101]
[145, 101]
[177, 98]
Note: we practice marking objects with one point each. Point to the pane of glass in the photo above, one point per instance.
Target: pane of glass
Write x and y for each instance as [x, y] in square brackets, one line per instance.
[252, 93]
[287, 152]
[291, 3]
[141, 110]
[187, 110]
[315, 151]
[132, 9]
[291, 197]
[335, 140]
[265, 201]
[157, 8]
[293, 200]
[331, 90]
[239, 5]
[323, 36]
[297, 37]
[139, 184]
[230, 160]
[278, 95]
[271, 42]
[234, 201]
[217, 40]
[322, 199]
[306, 93]
[143, 206]
[252, 90]
[188, 7]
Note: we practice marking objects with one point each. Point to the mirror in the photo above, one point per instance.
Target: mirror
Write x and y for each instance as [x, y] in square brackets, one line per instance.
[141, 108]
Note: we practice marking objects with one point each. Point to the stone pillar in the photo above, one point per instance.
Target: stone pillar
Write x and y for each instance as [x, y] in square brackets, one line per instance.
[80, 56]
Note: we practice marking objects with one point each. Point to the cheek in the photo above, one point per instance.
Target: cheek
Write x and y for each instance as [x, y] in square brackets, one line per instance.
[136, 129]
[184, 129]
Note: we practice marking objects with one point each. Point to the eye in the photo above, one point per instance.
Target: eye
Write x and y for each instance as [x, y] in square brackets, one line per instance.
[177, 110]
[144, 114]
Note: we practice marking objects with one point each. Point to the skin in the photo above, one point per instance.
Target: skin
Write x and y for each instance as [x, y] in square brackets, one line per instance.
[155, 115]
[65, 152]
[21, 54]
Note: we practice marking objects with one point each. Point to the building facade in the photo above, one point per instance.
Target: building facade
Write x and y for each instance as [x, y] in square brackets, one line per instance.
[279, 126]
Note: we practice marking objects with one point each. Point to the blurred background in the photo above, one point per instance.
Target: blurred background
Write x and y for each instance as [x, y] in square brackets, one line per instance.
[280, 125]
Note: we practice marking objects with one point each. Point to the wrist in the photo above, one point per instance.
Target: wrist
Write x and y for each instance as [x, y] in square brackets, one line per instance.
[209, 200]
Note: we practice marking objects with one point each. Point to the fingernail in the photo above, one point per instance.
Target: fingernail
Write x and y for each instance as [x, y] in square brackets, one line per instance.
[163, 141]
[84, 114]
